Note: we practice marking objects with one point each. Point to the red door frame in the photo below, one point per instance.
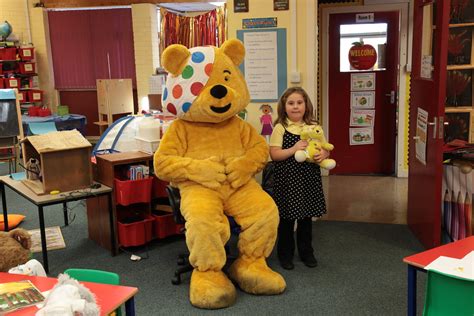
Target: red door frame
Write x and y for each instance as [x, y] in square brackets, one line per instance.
[425, 181]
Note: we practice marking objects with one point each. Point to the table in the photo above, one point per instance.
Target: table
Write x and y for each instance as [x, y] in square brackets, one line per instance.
[108, 297]
[65, 122]
[42, 201]
[458, 249]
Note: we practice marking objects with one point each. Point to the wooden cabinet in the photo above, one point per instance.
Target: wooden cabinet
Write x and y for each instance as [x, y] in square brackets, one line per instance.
[131, 199]
[106, 170]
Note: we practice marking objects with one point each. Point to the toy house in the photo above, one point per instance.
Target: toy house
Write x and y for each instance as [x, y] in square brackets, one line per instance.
[64, 159]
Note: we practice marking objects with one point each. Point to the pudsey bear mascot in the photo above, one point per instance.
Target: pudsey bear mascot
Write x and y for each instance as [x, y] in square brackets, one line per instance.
[212, 155]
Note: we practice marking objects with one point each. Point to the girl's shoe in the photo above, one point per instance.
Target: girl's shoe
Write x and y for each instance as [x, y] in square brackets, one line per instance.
[310, 261]
[287, 265]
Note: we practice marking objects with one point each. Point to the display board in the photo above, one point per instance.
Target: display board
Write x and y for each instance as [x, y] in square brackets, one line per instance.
[9, 114]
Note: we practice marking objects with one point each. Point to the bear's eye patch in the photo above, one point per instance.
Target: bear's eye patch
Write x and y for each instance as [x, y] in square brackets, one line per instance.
[226, 75]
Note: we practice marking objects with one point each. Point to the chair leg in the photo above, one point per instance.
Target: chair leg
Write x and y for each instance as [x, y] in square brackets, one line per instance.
[181, 270]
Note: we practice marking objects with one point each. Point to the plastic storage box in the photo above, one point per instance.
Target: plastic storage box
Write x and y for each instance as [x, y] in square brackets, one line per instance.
[147, 146]
[164, 224]
[133, 191]
[136, 233]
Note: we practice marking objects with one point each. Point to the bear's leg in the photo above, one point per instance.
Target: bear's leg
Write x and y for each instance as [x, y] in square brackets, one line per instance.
[256, 213]
[328, 164]
[207, 231]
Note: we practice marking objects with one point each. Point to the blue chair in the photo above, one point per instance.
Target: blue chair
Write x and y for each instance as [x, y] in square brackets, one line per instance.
[97, 276]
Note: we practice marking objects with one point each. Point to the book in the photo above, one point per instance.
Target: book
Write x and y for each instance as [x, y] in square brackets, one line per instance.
[18, 294]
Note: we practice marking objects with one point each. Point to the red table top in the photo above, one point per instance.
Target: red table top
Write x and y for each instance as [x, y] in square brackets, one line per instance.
[108, 297]
[458, 249]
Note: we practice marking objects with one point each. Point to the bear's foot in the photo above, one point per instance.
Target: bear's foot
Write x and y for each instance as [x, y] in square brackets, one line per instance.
[211, 290]
[255, 277]
[328, 164]
[300, 155]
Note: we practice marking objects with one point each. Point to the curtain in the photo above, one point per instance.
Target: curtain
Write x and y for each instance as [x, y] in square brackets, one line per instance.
[201, 30]
[91, 44]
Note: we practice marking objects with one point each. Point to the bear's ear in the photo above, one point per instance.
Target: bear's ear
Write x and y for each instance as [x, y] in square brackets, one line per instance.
[235, 50]
[174, 58]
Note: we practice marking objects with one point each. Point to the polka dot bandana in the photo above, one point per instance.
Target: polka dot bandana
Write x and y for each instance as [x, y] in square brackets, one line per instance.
[180, 91]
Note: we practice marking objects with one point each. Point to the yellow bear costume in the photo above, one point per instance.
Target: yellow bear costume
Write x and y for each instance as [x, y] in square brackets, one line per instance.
[212, 155]
[314, 134]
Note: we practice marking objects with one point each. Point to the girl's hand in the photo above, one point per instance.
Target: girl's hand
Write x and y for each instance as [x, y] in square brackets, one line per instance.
[300, 145]
[323, 154]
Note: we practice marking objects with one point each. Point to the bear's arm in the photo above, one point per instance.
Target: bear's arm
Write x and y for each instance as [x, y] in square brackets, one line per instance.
[170, 163]
[241, 169]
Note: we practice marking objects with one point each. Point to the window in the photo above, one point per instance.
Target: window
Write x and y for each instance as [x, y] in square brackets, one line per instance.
[374, 34]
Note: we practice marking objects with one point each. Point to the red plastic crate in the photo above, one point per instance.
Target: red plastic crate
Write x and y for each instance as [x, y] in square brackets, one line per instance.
[35, 95]
[27, 67]
[12, 83]
[22, 96]
[8, 53]
[136, 233]
[159, 188]
[44, 112]
[26, 53]
[1, 83]
[33, 110]
[133, 191]
[165, 225]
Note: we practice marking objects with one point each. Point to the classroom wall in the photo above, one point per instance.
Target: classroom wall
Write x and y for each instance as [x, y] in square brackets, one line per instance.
[30, 26]
[145, 38]
[301, 43]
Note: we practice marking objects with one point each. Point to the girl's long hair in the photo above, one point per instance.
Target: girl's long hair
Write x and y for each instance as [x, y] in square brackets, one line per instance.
[308, 116]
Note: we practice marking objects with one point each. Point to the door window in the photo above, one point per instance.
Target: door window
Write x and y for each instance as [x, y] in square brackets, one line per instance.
[374, 34]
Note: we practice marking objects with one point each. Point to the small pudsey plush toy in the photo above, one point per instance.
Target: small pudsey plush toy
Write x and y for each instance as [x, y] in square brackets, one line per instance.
[316, 140]
[212, 156]
[14, 248]
[69, 298]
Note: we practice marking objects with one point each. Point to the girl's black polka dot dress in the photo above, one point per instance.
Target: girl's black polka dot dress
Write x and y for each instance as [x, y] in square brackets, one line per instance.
[297, 187]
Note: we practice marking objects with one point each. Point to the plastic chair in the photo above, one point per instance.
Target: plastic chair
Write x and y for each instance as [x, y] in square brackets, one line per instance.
[448, 295]
[97, 276]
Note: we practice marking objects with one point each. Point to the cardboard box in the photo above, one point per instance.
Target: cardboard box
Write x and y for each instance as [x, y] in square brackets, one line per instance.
[64, 160]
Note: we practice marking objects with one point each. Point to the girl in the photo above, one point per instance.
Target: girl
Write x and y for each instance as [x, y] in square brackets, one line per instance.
[297, 187]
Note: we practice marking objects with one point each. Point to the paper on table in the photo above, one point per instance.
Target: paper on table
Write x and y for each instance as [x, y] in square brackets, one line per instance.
[463, 268]
[18, 176]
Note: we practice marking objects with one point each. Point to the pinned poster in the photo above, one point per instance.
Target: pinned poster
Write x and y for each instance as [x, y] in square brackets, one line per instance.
[421, 135]
[361, 136]
[362, 118]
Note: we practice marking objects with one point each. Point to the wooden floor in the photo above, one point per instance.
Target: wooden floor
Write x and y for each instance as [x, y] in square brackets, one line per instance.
[370, 199]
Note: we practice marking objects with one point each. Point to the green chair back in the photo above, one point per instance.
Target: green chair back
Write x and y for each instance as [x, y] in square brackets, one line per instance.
[97, 276]
[448, 295]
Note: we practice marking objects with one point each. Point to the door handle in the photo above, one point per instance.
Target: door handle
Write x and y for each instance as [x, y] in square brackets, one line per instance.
[392, 96]
[434, 124]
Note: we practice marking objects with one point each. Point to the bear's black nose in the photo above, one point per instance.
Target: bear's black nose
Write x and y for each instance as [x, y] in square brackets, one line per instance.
[219, 91]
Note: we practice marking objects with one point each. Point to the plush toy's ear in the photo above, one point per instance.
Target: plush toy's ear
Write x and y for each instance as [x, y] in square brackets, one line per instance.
[174, 58]
[235, 50]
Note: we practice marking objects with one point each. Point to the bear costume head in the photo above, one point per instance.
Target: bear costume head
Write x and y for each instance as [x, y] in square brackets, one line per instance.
[220, 96]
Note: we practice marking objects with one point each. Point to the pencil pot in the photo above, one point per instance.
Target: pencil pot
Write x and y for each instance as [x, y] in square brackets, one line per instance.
[133, 191]
[135, 232]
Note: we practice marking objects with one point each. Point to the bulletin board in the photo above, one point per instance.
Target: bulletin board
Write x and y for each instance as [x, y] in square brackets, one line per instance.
[265, 64]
